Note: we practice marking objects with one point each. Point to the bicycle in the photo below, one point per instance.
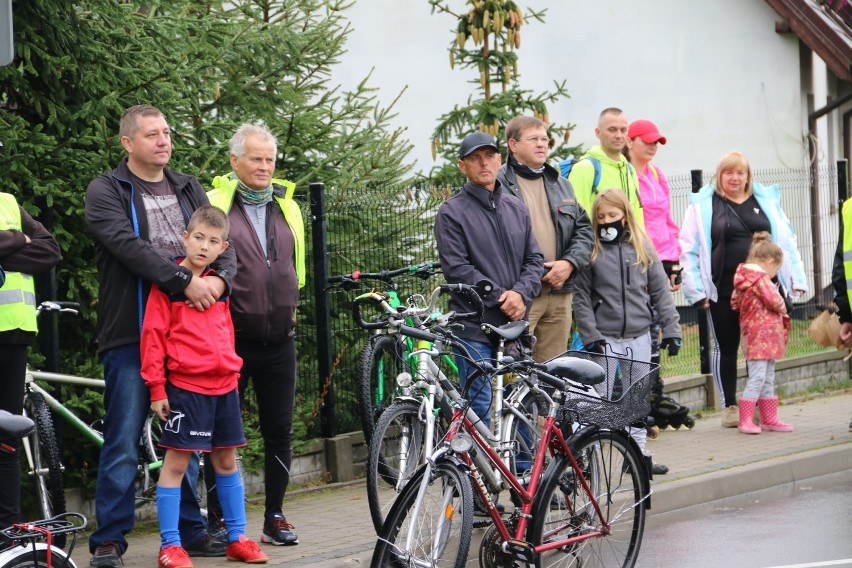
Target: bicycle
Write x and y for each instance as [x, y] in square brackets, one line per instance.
[383, 356]
[409, 429]
[586, 509]
[43, 460]
[32, 544]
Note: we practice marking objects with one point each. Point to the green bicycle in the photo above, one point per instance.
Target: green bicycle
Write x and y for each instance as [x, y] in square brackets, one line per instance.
[384, 356]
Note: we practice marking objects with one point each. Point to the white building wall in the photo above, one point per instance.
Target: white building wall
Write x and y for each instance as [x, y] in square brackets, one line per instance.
[714, 76]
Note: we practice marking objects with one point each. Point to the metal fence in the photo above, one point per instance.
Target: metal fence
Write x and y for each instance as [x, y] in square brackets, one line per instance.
[384, 228]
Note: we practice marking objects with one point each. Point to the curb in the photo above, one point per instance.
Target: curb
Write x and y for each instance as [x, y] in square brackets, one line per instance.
[739, 480]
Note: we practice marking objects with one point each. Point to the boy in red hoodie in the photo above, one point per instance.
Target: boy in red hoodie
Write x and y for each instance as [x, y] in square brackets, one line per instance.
[199, 403]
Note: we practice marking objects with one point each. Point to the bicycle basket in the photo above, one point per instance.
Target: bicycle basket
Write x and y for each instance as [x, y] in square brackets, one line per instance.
[620, 400]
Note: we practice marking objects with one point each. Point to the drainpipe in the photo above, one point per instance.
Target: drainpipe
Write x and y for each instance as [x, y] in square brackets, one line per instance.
[815, 206]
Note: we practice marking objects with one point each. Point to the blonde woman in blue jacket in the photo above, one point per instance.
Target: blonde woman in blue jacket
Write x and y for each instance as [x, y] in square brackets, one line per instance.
[715, 238]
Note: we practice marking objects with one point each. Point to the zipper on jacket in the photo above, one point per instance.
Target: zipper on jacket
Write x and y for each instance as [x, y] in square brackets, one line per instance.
[622, 263]
[270, 243]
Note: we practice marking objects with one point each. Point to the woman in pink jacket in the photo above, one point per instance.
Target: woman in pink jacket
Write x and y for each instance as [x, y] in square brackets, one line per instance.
[764, 330]
[643, 138]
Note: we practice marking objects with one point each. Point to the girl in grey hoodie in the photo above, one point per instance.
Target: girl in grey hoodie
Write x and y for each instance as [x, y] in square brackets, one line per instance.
[614, 294]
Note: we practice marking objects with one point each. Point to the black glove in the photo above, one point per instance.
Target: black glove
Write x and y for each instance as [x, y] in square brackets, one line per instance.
[673, 344]
[595, 347]
[673, 267]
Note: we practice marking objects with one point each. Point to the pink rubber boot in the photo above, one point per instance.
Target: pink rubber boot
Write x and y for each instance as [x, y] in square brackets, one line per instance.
[769, 416]
[747, 425]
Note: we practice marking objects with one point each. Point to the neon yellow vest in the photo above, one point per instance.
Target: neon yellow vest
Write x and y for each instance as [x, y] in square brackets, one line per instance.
[847, 246]
[17, 296]
[222, 196]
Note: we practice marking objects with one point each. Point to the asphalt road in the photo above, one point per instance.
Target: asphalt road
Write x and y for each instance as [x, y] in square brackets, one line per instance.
[802, 524]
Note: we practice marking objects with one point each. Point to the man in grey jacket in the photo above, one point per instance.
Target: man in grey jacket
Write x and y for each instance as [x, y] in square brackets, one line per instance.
[560, 225]
[485, 233]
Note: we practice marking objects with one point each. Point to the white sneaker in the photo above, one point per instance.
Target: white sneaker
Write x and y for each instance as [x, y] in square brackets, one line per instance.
[731, 417]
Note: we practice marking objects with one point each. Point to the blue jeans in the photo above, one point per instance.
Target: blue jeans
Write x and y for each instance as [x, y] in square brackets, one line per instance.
[126, 403]
[479, 393]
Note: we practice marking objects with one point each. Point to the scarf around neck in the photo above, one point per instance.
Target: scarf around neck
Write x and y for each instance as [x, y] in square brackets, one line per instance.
[254, 196]
[525, 171]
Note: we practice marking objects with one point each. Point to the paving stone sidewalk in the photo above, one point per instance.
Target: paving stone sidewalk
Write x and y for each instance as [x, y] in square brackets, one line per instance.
[706, 463]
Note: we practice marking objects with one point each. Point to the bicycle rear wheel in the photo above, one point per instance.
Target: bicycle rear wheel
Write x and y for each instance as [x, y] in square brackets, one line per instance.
[523, 422]
[381, 362]
[612, 468]
[47, 464]
[23, 558]
[440, 533]
[149, 453]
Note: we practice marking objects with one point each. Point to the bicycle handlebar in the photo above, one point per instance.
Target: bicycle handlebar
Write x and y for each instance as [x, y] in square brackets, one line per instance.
[353, 280]
[370, 298]
[472, 293]
[58, 306]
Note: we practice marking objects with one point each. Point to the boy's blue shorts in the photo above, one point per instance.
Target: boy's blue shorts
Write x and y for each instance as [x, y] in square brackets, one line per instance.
[200, 422]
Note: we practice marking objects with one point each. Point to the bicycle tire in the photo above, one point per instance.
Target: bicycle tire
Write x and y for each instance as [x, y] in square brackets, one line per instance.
[447, 507]
[381, 362]
[146, 479]
[400, 425]
[613, 469]
[47, 463]
[24, 559]
[525, 432]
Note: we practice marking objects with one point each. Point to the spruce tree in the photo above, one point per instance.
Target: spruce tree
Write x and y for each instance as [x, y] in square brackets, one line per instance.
[486, 41]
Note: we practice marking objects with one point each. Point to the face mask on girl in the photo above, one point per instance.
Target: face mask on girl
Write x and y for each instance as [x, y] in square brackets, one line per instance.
[610, 232]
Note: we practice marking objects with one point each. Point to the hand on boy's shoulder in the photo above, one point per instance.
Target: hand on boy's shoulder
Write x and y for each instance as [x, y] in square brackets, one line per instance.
[202, 293]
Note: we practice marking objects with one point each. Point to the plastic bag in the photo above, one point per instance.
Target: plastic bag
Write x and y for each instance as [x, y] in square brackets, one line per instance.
[825, 329]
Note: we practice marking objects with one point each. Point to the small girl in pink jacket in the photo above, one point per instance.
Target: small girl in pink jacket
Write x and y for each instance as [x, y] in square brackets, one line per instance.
[764, 329]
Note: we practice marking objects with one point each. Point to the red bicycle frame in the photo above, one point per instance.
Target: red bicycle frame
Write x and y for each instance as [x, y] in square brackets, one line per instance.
[551, 439]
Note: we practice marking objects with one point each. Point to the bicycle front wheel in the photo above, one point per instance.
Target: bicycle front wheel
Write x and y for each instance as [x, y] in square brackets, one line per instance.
[381, 362]
[47, 465]
[563, 509]
[434, 531]
[395, 453]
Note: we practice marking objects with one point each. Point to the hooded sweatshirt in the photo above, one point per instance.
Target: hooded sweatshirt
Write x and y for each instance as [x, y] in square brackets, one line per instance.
[614, 174]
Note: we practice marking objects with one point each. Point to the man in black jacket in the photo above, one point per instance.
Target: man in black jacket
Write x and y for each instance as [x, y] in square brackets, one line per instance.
[560, 225]
[484, 233]
[137, 214]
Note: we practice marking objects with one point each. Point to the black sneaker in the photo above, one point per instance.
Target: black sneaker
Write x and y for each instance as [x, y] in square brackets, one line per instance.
[107, 555]
[659, 469]
[279, 532]
[217, 529]
[207, 547]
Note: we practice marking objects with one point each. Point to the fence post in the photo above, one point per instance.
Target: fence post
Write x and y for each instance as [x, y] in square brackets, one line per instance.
[703, 330]
[328, 422]
[48, 325]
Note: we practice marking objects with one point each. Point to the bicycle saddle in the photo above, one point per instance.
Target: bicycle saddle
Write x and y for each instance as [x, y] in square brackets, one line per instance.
[508, 331]
[14, 425]
[575, 369]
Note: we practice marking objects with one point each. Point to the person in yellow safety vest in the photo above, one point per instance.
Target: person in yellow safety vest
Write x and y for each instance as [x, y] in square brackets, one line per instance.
[26, 249]
[268, 233]
[841, 277]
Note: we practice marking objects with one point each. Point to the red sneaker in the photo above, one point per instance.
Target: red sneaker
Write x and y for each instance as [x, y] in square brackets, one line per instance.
[247, 551]
[173, 557]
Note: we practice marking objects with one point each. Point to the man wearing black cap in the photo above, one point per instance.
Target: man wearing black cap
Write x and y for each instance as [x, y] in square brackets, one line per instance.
[485, 233]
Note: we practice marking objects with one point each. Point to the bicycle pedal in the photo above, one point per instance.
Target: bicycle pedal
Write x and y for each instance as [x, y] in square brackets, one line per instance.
[522, 550]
